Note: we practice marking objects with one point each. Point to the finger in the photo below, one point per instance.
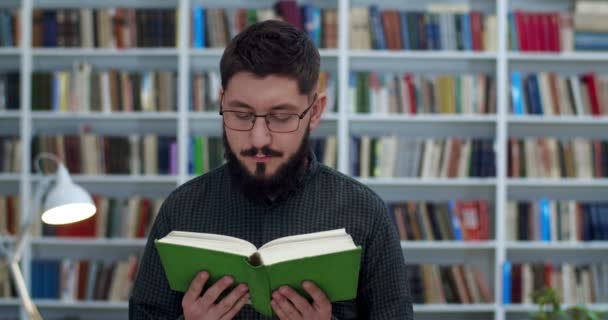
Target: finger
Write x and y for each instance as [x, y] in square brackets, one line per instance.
[214, 292]
[196, 286]
[289, 311]
[230, 300]
[320, 301]
[299, 302]
[278, 310]
[236, 308]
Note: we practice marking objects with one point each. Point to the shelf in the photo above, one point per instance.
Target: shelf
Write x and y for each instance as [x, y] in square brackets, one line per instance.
[9, 122]
[122, 123]
[557, 189]
[86, 248]
[128, 59]
[422, 60]
[91, 310]
[9, 308]
[124, 186]
[446, 251]
[106, 4]
[537, 251]
[527, 308]
[209, 58]
[7, 52]
[558, 56]
[210, 124]
[9, 183]
[453, 308]
[558, 126]
[400, 189]
[426, 125]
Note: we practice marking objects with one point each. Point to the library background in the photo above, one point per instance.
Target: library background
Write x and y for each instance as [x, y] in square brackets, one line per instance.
[481, 123]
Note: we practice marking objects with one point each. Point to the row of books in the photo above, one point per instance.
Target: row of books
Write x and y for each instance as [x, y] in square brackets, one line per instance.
[115, 218]
[370, 92]
[214, 27]
[454, 220]
[10, 154]
[441, 27]
[553, 221]
[10, 213]
[557, 158]
[104, 28]
[9, 27]
[574, 283]
[549, 93]
[82, 90]
[440, 284]
[425, 158]
[70, 280]
[10, 94]
[584, 29]
[205, 90]
[91, 154]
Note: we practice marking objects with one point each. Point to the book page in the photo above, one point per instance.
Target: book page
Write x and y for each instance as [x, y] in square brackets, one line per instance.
[210, 241]
[307, 236]
[302, 247]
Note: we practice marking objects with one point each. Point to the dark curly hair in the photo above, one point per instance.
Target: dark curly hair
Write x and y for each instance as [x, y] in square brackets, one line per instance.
[272, 47]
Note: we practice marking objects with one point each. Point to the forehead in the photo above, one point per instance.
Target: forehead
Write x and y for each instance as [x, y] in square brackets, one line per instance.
[262, 92]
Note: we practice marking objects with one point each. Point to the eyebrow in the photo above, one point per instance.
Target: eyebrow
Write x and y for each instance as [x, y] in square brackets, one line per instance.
[279, 107]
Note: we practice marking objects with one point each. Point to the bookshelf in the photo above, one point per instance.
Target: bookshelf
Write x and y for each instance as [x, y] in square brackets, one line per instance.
[182, 123]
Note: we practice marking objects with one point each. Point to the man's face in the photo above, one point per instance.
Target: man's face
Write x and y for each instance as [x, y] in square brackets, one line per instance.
[260, 151]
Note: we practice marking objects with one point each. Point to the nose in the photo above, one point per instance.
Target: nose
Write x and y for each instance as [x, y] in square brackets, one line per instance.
[260, 135]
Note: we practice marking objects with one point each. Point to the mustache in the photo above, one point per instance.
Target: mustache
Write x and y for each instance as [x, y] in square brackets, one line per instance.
[266, 151]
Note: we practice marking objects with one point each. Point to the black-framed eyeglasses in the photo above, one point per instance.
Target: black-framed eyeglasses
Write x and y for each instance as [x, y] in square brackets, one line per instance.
[278, 122]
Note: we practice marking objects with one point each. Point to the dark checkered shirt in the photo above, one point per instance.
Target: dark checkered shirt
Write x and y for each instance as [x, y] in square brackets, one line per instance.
[324, 200]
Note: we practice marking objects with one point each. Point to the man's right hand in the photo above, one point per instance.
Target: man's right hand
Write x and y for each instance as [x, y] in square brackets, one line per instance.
[197, 307]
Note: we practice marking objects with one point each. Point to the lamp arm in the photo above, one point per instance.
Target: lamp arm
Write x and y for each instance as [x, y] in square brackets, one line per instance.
[28, 305]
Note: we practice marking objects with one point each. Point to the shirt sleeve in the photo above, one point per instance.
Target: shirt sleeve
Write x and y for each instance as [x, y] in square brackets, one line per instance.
[384, 292]
[151, 297]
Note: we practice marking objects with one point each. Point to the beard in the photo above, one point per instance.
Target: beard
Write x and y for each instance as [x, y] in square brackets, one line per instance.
[259, 187]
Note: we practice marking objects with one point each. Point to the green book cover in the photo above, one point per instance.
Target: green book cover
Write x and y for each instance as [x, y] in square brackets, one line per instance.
[329, 259]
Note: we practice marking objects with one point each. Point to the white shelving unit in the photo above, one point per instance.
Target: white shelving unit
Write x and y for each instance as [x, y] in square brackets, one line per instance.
[488, 255]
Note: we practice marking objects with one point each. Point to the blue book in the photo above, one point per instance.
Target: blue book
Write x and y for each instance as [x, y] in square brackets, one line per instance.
[455, 221]
[379, 41]
[534, 95]
[49, 23]
[7, 36]
[590, 41]
[466, 32]
[316, 13]
[513, 31]
[506, 283]
[198, 17]
[516, 93]
[545, 220]
[405, 37]
[430, 32]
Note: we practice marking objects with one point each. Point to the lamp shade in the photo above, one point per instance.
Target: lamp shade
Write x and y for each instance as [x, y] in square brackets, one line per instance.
[67, 202]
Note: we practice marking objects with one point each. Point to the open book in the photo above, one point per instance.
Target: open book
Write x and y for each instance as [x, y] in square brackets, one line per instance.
[330, 259]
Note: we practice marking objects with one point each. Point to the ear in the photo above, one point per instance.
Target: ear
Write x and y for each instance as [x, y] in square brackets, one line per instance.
[317, 110]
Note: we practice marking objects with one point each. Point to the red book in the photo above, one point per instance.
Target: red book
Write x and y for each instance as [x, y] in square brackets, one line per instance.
[484, 222]
[548, 272]
[411, 92]
[554, 31]
[597, 161]
[144, 218]
[516, 283]
[545, 31]
[521, 23]
[534, 32]
[591, 81]
[468, 213]
[476, 30]
[290, 12]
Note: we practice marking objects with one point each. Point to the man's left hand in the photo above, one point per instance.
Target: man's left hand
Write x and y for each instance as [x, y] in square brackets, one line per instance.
[289, 305]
